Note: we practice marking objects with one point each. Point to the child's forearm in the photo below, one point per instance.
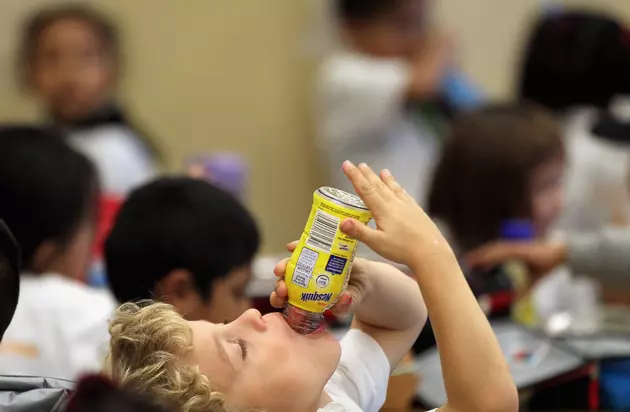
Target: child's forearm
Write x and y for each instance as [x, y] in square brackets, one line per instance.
[476, 374]
[394, 301]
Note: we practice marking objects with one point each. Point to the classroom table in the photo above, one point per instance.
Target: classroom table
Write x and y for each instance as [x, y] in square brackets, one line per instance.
[533, 359]
[607, 344]
[608, 339]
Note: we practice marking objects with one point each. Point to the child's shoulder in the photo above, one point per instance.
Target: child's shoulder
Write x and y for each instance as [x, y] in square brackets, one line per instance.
[347, 68]
[65, 298]
[107, 138]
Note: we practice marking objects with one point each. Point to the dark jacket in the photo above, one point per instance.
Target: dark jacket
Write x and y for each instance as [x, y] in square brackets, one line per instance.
[32, 394]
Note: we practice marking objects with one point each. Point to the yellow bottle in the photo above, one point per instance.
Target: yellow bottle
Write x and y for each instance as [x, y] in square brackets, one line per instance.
[318, 271]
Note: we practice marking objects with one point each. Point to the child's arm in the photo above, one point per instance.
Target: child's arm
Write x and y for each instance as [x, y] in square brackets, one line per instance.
[392, 312]
[387, 305]
[476, 375]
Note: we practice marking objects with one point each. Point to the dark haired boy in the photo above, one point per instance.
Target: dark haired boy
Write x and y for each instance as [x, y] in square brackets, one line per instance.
[186, 242]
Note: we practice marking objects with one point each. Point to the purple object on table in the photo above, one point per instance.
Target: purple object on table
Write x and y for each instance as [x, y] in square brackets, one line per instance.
[227, 170]
[516, 230]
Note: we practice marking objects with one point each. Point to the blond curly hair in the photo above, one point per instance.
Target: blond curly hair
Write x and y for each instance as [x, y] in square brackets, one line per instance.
[148, 352]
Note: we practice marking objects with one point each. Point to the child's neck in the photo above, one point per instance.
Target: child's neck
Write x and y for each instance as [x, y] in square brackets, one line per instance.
[323, 401]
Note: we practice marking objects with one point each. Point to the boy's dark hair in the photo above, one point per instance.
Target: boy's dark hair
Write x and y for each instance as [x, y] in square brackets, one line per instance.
[358, 11]
[9, 277]
[46, 188]
[483, 176]
[576, 58]
[98, 394]
[38, 23]
[177, 223]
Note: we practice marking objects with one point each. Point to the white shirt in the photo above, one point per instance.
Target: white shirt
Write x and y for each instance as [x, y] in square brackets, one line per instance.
[360, 382]
[59, 330]
[362, 118]
[120, 159]
[597, 191]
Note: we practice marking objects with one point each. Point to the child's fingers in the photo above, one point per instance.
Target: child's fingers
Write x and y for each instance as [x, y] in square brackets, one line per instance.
[276, 301]
[281, 267]
[376, 182]
[391, 182]
[281, 289]
[362, 186]
[291, 246]
[359, 231]
[344, 305]
[280, 294]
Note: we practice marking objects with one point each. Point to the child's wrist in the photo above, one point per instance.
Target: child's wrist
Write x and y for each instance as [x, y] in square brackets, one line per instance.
[426, 264]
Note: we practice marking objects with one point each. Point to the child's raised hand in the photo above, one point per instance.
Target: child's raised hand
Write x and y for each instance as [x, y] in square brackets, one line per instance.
[404, 232]
[358, 286]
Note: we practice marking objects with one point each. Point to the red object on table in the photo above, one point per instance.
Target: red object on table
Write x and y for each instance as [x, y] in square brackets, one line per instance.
[501, 301]
[107, 210]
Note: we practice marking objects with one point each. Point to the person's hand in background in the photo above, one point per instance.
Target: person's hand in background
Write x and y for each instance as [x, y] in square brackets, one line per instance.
[540, 257]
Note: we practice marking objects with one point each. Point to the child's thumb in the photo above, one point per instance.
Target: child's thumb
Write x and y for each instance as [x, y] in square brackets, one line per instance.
[358, 231]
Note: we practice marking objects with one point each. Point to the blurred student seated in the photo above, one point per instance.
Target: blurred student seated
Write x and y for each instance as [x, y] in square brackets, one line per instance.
[378, 94]
[21, 393]
[70, 60]
[49, 194]
[501, 163]
[186, 242]
[576, 64]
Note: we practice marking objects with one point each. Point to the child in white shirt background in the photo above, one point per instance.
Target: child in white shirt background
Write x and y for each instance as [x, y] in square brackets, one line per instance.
[71, 62]
[378, 93]
[49, 198]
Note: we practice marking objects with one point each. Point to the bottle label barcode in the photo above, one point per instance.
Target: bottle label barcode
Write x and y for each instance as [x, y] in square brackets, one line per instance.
[323, 231]
[304, 267]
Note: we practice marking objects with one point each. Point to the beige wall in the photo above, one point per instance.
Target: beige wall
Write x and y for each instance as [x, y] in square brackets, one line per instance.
[215, 75]
[209, 75]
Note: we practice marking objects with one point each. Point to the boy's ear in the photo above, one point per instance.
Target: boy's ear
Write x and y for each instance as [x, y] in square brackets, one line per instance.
[178, 285]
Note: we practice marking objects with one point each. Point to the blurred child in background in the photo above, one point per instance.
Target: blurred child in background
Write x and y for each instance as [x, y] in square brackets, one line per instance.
[186, 242]
[49, 196]
[500, 163]
[70, 60]
[389, 60]
[578, 64]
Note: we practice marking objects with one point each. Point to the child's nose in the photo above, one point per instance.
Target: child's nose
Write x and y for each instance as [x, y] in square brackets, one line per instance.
[253, 318]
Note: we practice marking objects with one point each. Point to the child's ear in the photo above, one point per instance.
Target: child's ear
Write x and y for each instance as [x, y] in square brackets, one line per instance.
[176, 286]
